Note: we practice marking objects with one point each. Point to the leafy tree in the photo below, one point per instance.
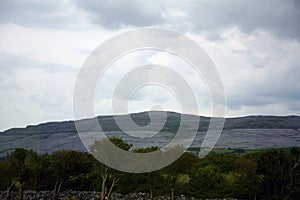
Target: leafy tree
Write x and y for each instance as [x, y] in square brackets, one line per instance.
[295, 171]
[107, 174]
[246, 182]
[279, 172]
[225, 162]
[182, 167]
[68, 165]
[7, 177]
[152, 180]
[43, 177]
[207, 182]
[20, 165]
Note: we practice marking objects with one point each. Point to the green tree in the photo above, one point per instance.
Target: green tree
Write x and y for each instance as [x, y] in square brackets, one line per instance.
[106, 173]
[179, 171]
[207, 182]
[68, 165]
[295, 171]
[279, 172]
[20, 166]
[246, 184]
[43, 177]
[151, 180]
[8, 175]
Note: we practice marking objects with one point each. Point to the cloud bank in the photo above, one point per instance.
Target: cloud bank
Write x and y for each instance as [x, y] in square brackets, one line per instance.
[254, 44]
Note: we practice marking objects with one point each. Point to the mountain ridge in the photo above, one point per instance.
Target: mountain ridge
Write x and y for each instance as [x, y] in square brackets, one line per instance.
[297, 117]
[249, 132]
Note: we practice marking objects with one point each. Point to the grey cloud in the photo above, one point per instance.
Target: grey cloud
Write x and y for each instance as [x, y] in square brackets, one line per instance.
[274, 88]
[294, 105]
[28, 6]
[280, 17]
[46, 13]
[114, 14]
[277, 82]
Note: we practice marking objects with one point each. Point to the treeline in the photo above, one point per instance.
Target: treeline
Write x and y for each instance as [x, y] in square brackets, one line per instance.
[271, 174]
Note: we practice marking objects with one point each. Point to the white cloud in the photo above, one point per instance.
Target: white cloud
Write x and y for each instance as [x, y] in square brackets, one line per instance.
[38, 96]
[65, 47]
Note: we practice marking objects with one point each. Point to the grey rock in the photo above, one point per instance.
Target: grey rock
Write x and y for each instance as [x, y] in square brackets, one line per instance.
[252, 132]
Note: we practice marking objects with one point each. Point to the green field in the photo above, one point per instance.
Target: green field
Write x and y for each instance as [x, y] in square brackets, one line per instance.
[238, 151]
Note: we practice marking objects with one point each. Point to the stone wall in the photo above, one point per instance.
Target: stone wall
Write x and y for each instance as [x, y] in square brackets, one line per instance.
[86, 195]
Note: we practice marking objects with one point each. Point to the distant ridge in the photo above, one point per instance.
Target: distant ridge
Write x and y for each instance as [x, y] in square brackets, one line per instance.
[243, 132]
[245, 122]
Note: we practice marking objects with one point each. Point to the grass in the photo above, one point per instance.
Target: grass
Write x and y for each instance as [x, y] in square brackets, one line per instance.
[238, 151]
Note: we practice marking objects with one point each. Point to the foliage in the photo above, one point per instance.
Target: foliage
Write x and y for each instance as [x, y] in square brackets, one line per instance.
[263, 174]
[280, 172]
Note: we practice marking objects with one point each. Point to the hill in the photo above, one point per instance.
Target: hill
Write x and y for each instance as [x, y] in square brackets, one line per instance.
[251, 132]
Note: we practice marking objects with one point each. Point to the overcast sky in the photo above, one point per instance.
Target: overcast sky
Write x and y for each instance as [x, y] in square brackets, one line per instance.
[255, 46]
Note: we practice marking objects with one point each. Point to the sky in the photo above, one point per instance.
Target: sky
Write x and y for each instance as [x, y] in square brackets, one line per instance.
[254, 44]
